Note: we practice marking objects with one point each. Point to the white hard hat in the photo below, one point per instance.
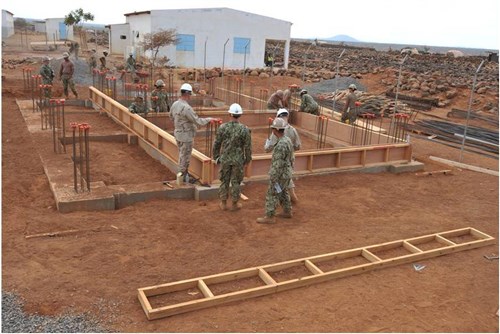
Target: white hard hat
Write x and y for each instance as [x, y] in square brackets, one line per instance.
[186, 87]
[105, 51]
[282, 112]
[130, 54]
[304, 91]
[278, 123]
[352, 86]
[159, 83]
[235, 109]
[46, 58]
[65, 55]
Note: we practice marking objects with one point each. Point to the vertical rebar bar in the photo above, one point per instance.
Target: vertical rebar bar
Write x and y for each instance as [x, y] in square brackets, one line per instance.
[469, 109]
[73, 126]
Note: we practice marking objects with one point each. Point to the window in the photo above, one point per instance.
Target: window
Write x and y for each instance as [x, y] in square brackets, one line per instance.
[186, 42]
[123, 37]
[240, 43]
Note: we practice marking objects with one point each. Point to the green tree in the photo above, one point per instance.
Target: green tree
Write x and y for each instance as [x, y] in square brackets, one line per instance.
[20, 23]
[75, 17]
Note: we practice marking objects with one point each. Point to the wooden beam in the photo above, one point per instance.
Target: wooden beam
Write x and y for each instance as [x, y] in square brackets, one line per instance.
[317, 275]
[465, 166]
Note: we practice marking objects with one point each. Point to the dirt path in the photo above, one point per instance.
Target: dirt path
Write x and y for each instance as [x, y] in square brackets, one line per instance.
[100, 268]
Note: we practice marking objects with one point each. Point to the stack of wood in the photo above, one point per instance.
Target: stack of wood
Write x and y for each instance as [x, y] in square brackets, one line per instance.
[375, 104]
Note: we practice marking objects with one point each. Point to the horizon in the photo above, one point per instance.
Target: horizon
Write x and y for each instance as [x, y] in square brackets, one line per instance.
[428, 22]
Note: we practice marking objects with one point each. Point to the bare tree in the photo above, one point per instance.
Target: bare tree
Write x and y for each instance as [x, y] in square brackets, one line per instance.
[155, 41]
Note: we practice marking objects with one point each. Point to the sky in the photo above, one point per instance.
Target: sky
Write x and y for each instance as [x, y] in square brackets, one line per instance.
[453, 23]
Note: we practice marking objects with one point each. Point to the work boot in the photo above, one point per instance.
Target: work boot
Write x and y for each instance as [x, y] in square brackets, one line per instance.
[223, 205]
[236, 206]
[285, 214]
[266, 220]
[293, 196]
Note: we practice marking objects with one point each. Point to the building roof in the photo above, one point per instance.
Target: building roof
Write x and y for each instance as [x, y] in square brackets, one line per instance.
[203, 9]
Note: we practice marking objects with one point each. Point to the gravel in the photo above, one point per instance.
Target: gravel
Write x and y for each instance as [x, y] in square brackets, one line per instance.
[328, 86]
[15, 320]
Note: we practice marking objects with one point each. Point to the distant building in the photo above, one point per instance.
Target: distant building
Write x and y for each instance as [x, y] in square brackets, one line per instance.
[56, 30]
[40, 26]
[211, 37]
[7, 24]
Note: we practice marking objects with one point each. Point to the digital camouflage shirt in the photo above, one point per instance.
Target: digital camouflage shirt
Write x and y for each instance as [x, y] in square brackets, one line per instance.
[159, 104]
[47, 74]
[282, 162]
[233, 144]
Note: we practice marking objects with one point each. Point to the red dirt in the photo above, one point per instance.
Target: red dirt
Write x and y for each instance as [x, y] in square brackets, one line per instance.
[100, 269]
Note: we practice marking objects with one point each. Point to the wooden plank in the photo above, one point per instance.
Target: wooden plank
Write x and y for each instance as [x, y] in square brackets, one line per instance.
[464, 166]
[312, 268]
[444, 241]
[370, 256]
[144, 301]
[408, 246]
[205, 289]
[266, 277]
[319, 276]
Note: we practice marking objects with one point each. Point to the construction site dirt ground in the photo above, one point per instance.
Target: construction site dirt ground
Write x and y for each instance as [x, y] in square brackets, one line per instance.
[100, 268]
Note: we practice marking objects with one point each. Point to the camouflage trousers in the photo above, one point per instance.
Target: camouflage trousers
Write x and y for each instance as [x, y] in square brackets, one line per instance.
[350, 115]
[68, 81]
[185, 149]
[47, 92]
[230, 175]
[273, 198]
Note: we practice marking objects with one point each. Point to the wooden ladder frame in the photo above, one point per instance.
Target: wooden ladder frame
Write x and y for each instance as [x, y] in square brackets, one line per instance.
[313, 265]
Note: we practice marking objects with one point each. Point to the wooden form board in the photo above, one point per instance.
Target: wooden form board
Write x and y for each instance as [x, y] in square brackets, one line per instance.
[310, 270]
[307, 161]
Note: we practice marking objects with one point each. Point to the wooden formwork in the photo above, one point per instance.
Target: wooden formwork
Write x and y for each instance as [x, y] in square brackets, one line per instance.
[270, 278]
[378, 151]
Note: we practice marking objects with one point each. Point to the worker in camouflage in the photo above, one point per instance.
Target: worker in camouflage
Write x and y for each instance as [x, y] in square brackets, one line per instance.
[233, 151]
[47, 74]
[92, 61]
[138, 106]
[159, 98]
[280, 175]
[307, 103]
[185, 125]
[350, 112]
[131, 65]
[275, 100]
[287, 96]
[66, 72]
[291, 133]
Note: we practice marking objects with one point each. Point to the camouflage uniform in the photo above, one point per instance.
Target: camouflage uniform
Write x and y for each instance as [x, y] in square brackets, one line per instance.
[138, 108]
[280, 174]
[66, 72]
[275, 101]
[185, 122]
[92, 62]
[233, 149]
[350, 110]
[130, 65]
[161, 104]
[47, 74]
[287, 97]
[308, 105]
[291, 133]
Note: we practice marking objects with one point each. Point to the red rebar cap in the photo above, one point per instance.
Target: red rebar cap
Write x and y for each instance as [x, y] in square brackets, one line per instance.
[73, 125]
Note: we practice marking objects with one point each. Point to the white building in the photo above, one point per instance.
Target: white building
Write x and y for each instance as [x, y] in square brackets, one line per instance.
[7, 24]
[208, 37]
[56, 30]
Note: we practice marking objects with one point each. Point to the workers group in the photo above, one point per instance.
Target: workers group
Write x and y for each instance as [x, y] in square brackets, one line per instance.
[232, 151]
